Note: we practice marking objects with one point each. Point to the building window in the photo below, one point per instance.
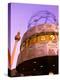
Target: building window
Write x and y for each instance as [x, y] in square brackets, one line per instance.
[22, 46]
[27, 43]
[33, 40]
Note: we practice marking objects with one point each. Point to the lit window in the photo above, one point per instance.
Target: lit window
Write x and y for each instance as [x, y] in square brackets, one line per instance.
[27, 42]
[47, 38]
[33, 40]
[53, 65]
[52, 37]
[39, 39]
[34, 69]
[34, 62]
[41, 66]
[23, 46]
[43, 38]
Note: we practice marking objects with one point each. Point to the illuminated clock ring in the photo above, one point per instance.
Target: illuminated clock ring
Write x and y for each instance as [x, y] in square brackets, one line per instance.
[40, 38]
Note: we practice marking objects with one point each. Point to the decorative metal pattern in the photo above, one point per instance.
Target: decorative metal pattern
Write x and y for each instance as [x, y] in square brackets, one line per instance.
[42, 17]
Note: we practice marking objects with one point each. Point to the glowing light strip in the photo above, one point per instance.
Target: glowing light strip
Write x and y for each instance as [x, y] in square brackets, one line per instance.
[39, 39]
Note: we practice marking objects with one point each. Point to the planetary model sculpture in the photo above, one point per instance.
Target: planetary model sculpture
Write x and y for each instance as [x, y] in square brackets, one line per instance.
[39, 46]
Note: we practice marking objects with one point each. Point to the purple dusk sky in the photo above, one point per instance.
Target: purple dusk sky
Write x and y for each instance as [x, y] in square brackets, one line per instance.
[20, 15]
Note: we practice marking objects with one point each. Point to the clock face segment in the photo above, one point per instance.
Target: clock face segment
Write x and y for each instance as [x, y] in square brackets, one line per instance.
[40, 41]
